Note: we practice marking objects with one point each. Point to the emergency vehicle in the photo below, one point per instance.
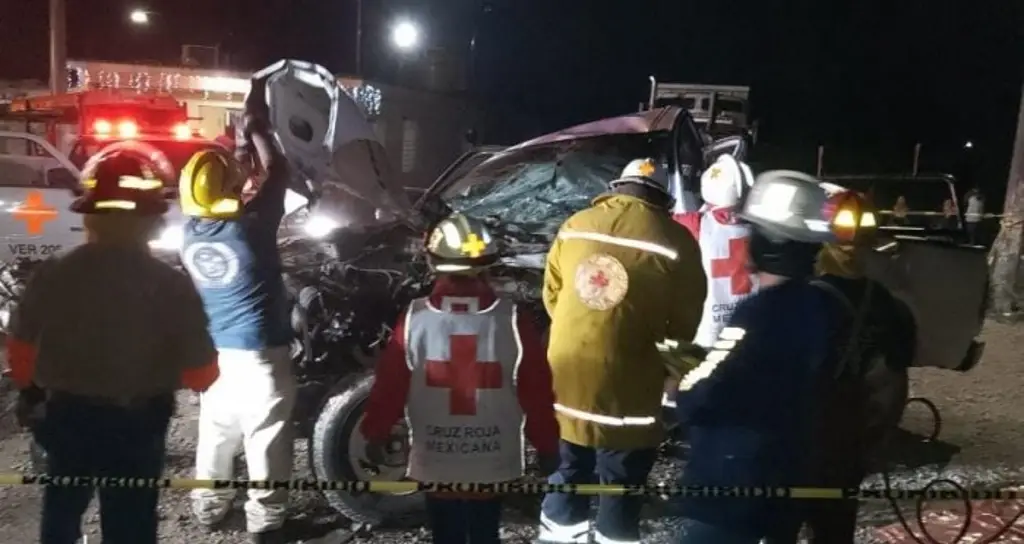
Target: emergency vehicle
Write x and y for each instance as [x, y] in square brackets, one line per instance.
[79, 124]
[37, 184]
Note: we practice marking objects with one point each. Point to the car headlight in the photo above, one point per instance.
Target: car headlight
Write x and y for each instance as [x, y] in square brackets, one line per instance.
[319, 226]
[171, 238]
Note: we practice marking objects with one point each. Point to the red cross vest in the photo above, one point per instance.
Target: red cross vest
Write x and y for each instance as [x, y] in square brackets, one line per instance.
[463, 409]
[723, 249]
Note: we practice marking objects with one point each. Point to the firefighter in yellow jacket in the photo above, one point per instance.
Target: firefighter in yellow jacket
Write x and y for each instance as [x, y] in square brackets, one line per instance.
[620, 277]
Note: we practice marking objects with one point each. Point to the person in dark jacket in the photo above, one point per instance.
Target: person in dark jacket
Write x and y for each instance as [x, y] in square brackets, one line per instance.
[102, 337]
[867, 393]
[750, 405]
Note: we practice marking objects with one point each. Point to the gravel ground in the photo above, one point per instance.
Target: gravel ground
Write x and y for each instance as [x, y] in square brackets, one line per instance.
[981, 431]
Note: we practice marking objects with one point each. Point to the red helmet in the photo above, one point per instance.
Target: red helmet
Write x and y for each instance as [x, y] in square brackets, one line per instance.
[125, 177]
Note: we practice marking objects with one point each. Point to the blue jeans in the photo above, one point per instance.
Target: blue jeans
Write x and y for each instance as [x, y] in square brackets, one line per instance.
[460, 521]
[698, 532]
[618, 517]
[85, 438]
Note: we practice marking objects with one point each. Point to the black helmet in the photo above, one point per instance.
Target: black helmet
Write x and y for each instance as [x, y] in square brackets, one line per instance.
[461, 244]
[792, 215]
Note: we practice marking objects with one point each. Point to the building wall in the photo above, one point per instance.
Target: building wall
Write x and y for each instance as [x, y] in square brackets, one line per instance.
[423, 132]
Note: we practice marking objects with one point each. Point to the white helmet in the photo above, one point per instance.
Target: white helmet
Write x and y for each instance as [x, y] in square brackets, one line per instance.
[647, 172]
[726, 181]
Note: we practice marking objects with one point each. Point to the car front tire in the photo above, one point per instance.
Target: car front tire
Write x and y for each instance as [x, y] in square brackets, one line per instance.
[336, 455]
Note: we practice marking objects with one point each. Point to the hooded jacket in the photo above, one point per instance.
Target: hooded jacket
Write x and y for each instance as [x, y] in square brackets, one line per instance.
[620, 277]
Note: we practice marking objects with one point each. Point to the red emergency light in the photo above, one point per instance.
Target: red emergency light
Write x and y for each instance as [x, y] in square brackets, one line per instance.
[125, 129]
[181, 131]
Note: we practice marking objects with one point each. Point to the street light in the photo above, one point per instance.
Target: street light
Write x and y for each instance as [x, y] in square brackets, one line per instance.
[139, 17]
[969, 145]
[405, 35]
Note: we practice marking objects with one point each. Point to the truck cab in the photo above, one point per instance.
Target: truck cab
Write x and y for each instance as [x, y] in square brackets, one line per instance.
[719, 110]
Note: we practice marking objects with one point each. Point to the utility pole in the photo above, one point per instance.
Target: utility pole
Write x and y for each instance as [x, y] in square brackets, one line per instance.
[359, 38]
[1006, 251]
[58, 47]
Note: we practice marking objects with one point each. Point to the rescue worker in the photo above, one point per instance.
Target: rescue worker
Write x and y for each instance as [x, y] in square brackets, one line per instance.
[108, 332]
[230, 250]
[605, 285]
[467, 367]
[751, 404]
[866, 397]
[723, 241]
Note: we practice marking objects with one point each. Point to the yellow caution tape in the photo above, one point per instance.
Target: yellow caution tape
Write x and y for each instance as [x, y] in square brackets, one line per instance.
[936, 214]
[520, 488]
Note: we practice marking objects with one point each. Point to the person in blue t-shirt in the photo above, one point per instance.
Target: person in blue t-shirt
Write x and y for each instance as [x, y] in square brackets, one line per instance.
[750, 406]
[235, 207]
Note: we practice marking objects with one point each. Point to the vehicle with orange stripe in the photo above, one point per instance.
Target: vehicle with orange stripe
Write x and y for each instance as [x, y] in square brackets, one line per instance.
[81, 123]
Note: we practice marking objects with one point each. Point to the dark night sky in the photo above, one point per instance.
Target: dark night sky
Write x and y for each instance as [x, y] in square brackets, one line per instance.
[869, 77]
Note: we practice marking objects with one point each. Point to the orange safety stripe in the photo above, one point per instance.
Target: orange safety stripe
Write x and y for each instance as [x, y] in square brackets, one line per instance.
[21, 359]
[201, 378]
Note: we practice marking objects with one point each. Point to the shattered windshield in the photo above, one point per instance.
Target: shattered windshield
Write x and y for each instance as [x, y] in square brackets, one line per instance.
[539, 187]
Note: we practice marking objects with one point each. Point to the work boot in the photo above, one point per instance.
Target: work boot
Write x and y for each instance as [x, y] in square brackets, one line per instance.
[273, 536]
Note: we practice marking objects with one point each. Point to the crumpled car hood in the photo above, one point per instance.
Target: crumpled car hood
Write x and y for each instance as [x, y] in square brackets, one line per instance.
[324, 134]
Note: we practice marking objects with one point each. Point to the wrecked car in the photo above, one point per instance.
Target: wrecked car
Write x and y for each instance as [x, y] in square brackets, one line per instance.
[352, 283]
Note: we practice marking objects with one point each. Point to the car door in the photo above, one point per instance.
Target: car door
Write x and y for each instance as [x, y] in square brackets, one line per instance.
[35, 222]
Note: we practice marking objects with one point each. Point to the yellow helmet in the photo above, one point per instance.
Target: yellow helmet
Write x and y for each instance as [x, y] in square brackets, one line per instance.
[211, 185]
[461, 244]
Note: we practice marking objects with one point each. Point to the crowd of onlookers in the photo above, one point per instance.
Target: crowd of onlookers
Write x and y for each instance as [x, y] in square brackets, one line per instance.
[973, 214]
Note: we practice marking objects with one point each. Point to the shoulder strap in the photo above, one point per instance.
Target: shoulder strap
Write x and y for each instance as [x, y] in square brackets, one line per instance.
[859, 315]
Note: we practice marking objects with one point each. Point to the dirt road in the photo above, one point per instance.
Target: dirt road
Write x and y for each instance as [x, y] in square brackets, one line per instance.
[983, 424]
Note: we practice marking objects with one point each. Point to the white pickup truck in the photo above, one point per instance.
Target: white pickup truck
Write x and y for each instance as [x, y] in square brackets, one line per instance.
[36, 187]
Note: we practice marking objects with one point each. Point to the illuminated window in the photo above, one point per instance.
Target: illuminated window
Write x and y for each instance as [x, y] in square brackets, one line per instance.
[410, 135]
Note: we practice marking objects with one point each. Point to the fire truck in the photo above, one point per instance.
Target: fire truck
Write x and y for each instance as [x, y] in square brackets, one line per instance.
[79, 124]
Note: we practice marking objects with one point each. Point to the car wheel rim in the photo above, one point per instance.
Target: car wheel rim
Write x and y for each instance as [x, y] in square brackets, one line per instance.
[395, 461]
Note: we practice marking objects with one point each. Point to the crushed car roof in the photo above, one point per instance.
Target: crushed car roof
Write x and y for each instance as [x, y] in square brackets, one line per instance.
[656, 120]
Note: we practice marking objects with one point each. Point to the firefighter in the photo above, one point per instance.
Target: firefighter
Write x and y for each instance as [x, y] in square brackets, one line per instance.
[751, 405]
[605, 288]
[106, 333]
[723, 243]
[467, 367]
[230, 250]
[870, 388]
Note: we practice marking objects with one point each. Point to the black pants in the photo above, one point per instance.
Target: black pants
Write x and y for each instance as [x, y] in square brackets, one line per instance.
[618, 517]
[457, 521]
[86, 438]
[972, 232]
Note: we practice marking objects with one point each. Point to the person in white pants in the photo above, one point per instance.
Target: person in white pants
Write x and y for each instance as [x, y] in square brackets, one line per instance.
[230, 250]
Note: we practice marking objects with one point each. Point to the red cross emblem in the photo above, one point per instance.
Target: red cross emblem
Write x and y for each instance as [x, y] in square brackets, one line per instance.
[599, 280]
[734, 267]
[463, 375]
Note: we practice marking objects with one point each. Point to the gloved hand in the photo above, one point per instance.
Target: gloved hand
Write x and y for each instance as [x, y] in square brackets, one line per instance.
[548, 463]
[680, 358]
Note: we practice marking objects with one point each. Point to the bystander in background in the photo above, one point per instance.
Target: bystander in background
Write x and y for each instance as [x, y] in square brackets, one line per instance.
[973, 214]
